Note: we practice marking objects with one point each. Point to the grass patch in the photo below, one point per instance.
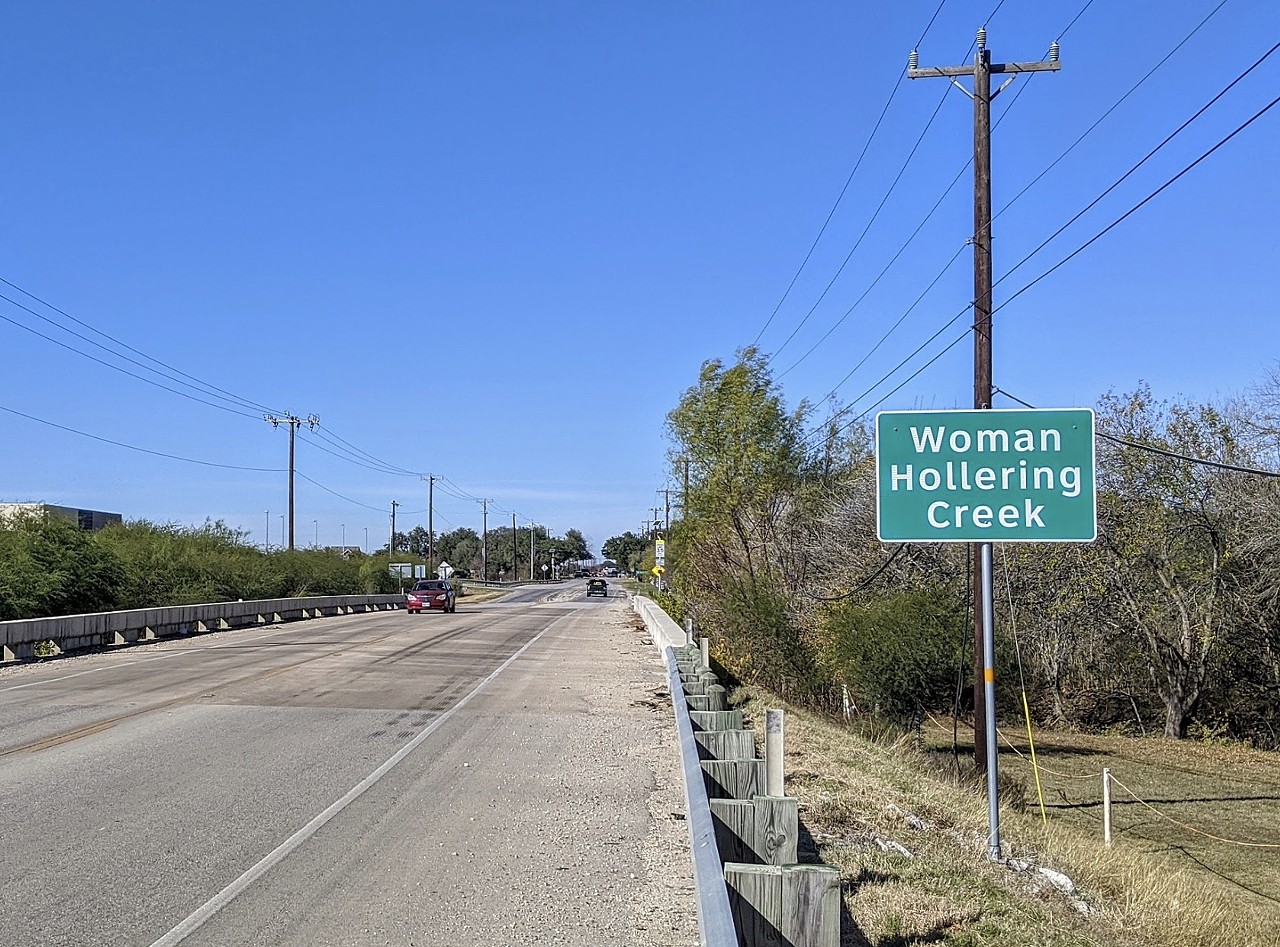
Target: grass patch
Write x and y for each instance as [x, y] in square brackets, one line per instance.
[908, 830]
[479, 593]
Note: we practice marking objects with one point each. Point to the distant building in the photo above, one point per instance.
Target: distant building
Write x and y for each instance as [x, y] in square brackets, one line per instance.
[88, 520]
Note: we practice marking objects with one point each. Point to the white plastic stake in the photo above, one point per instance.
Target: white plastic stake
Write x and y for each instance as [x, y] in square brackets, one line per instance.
[1106, 805]
[773, 746]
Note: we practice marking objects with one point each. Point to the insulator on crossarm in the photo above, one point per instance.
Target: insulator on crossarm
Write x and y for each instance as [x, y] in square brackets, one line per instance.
[1053, 51]
[982, 37]
[913, 61]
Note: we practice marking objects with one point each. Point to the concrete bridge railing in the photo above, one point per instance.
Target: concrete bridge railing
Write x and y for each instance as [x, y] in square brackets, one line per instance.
[42, 637]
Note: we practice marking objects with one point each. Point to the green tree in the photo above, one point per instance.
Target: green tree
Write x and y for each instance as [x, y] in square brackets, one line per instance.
[460, 548]
[49, 566]
[1168, 537]
[746, 509]
[626, 550]
[574, 546]
[899, 652]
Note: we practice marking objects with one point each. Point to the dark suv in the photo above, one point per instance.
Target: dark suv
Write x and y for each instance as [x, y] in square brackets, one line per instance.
[430, 593]
[598, 587]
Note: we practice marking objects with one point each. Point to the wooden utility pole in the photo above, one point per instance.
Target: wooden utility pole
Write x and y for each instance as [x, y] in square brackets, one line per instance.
[431, 529]
[984, 740]
[484, 539]
[311, 421]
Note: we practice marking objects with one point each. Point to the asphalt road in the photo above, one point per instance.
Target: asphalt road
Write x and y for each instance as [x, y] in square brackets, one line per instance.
[503, 775]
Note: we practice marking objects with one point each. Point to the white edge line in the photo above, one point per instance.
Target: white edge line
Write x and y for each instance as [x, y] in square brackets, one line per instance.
[200, 915]
[65, 677]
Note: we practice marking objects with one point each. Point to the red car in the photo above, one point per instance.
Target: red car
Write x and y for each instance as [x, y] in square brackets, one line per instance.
[430, 593]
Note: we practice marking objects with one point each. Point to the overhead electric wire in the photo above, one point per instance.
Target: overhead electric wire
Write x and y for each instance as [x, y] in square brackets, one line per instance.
[376, 509]
[849, 180]
[874, 215]
[1114, 223]
[864, 583]
[412, 473]
[1125, 442]
[171, 373]
[900, 320]
[902, 249]
[908, 241]
[1132, 210]
[344, 453]
[1177, 131]
[141, 450]
[123, 371]
[1088, 131]
[1053, 268]
[889, 394]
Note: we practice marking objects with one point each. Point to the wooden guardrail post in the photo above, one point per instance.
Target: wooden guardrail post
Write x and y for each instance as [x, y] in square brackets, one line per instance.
[786, 905]
[716, 698]
[726, 744]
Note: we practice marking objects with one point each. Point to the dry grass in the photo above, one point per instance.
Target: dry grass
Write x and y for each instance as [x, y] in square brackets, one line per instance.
[911, 841]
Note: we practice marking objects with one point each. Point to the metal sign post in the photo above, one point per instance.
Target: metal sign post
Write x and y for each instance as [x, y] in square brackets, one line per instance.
[986, 476]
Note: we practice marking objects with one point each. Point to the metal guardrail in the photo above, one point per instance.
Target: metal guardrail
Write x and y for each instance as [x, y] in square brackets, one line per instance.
[715, 918]
[21, 638]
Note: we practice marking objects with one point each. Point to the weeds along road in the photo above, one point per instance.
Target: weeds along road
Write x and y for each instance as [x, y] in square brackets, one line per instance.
[499, 775]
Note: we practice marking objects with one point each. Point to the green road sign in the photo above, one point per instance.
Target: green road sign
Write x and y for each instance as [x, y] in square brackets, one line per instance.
[986, 476]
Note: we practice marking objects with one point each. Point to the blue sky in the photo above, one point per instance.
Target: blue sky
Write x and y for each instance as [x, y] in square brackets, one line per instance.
[493, 242]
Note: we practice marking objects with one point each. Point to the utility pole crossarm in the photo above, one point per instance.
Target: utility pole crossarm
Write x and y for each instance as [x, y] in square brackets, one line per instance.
[933, 72]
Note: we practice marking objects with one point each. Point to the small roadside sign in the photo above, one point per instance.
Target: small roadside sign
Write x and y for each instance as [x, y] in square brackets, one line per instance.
[660, 551]
[659, 570]
[986, 476]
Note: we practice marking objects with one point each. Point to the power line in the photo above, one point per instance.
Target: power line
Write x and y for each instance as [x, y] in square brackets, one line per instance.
[908, 241]
[123, 371]
[376, 509]
[1111, 226]
[1088, 131]
[849, 180]
[343, 454]
[920, 226]
[364, 453]
[172, 373]
[874, 215]
[1115, 222]
[1177, 131]
[141, 450]
[910, 309]
[1053, 268]
[1124, 442]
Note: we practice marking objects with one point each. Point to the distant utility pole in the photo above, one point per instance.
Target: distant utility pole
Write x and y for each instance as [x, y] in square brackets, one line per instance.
[391, 545]
[984, 675]
[431, 529]
[311, 421]
[515, 573]
[484, 541]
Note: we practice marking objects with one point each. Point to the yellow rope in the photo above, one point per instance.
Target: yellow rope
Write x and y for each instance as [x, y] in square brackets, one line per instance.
[1026, 714]
[1046, 769]
[1190, 828]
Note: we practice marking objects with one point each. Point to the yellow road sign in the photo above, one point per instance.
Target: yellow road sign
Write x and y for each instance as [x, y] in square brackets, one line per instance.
[659, 570]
